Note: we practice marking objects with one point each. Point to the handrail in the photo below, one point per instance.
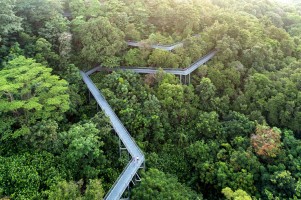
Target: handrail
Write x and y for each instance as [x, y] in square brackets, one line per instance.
[176, 71]
[116, 118]
[155, 46]
[131, 169]
[200, 61]
[122, 174]
[158, 46]
[133, 166]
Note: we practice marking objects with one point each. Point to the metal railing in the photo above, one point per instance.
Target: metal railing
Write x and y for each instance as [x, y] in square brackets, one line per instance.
[145, 70]
[158, 46]
[131, 169]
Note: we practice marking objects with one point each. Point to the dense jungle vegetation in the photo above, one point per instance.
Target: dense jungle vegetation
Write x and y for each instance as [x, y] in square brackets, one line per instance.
[233, 133]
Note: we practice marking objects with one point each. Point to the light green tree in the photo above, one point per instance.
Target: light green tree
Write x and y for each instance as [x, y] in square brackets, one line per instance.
[157, 185]
[235, 195]
[28, 92]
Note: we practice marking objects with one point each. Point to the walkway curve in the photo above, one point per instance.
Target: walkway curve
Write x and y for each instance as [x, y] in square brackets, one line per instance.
[134, 165]
[155, 46]
[158, 46]
[147, 70]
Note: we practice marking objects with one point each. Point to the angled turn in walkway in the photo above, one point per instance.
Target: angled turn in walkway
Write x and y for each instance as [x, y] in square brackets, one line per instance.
[141, 70]
[158, 46]
[123, 181]
[133, 166]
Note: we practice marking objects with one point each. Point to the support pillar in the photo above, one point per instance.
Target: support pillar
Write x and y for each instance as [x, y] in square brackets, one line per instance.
[122, 148]
[119, 144]
[143, 166]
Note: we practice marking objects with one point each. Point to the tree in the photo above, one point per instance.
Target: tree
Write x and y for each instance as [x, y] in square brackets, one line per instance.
[110, 41]
[85, 9]
[82, 151]
[266, 141]
[28, 93]
[94, 190]
[235, 195]
[156, 184]
[37, 13]
[64, 191]
[134, 57]
[163, 59]
[25, 175]
[65, 46]
[53, 29]
[208, 125]
[9, 22]
[206, 92]
[44, 53]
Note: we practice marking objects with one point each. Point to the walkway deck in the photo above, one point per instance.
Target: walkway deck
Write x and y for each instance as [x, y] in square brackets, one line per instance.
[133, 166]
[158, 46]
[141, 70]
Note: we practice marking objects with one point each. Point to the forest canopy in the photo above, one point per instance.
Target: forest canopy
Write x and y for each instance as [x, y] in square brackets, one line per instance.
[233, 132]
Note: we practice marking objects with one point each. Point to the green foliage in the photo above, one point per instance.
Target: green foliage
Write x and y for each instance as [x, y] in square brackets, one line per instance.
[25, 175]
[94, 190]
[208, 125]
[30, 93]
[82, 150]
[134, 57]
[164, 59]
[210, 135]
[236, 195]
[71, 191]
[37, 13]
[110, 41]
[64, 191]
[156, 184]
[83, 8]
[44, 54]
[9, 22]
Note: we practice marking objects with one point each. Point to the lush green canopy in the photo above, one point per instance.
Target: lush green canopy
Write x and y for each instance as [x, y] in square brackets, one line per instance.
[233, 133]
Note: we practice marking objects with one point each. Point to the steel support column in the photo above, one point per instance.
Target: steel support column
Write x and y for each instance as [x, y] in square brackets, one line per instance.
[122, 148]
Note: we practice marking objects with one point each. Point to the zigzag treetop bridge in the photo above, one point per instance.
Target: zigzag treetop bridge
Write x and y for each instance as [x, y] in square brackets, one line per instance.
[130, 171]
[133, 166]
[155, 46]
[181, 72]
[158, 46]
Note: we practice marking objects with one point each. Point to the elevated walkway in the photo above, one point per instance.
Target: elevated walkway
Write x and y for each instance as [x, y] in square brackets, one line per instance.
[145, 70]
[130, 171]
[158, 46]
[134, 165]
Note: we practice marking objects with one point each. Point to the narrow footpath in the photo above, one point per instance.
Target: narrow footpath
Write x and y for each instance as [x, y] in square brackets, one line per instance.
[134, 165]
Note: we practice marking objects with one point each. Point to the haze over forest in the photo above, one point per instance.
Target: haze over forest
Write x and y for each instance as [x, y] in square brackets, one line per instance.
[232, 132]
